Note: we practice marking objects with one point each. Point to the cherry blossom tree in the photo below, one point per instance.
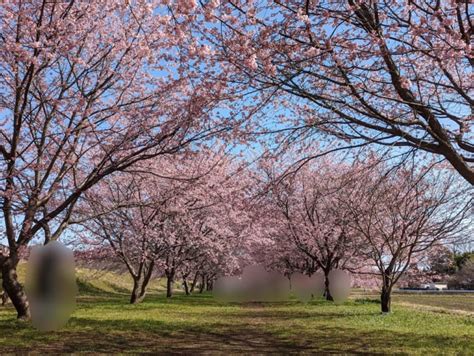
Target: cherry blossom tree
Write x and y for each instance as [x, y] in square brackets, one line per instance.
[394, 73]
[405, 215]
[315, 231]
[123, 219]
[176, 215]
[217, 255]
[209, 231]
[280, 254]
[187, 233]
[87, 89]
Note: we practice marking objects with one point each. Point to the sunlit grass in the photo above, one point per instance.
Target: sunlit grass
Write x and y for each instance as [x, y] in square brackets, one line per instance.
[105, 322]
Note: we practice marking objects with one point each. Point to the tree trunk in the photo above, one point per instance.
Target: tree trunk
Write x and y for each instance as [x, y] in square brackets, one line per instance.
[169, 284]
[14, 289]
[140, 284]
[386, 298]
[4, 296]
[138, 292]
[203, 284]
[327, 292]
[186, 287]
[193, 284]
[209, 284]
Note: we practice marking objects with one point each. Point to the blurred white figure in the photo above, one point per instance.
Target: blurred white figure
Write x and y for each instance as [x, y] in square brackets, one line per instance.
[301, 287]
[278, 287]
[317, 283]
[339, 285]
[307, 287]
[255, 285]
[51, 285]
[228, 289]
[255, 282]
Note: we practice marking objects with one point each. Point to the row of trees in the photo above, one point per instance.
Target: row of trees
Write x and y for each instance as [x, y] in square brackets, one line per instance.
[455, 268]
[88, 90]
[208, 217]
[366, 218]
[182, 217]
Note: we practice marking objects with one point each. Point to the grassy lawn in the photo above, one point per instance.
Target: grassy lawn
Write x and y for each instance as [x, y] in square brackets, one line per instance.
[448, 302]
[105, 322]
[451, 303]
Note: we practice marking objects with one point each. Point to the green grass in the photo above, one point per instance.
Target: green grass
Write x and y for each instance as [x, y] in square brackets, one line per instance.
[105, 322]
[448, 302]
[92, 282]
[456, 303]
[98, 282]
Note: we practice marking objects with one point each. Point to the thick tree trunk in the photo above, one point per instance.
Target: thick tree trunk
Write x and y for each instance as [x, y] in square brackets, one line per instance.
[169, 284]
[14, 289]
[138, 292]
[386, 299]
[186, 287]
[327, 292]
[140, 284]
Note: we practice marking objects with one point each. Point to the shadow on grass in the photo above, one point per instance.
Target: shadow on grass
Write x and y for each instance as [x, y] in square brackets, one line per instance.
[367, 301]
[247, 329]
[207, 299]
[124, 335]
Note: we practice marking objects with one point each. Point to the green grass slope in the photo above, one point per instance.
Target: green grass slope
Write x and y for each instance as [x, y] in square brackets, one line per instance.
[95, 282]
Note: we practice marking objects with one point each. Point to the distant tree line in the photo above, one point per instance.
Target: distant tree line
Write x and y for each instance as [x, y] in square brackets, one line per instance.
[456, 267]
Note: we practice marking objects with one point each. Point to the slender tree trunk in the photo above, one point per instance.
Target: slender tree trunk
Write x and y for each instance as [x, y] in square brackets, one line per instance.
[186, 287]
[209, 284]
[169, 283]
[327, 292]
[193, 284]
[4, 296]
[203, 284]
[386, 298]
[14, 289]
